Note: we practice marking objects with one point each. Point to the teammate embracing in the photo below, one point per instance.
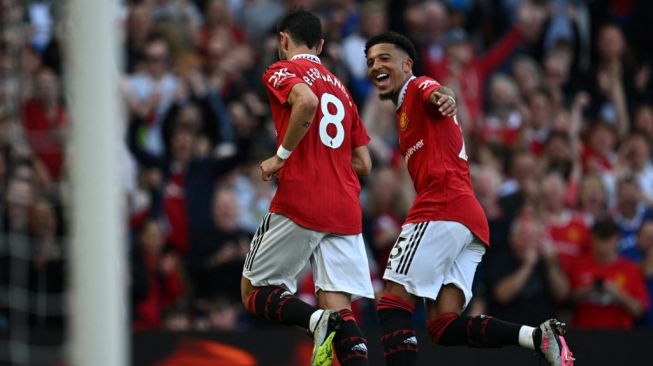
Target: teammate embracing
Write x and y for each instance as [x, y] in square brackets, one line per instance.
[446, 232]
[315, 214]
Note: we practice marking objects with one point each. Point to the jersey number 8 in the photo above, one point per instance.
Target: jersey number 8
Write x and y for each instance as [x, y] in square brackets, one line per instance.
[336, 119]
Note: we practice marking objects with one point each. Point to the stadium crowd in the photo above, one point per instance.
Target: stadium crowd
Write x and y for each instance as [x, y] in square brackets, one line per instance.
[555, 99]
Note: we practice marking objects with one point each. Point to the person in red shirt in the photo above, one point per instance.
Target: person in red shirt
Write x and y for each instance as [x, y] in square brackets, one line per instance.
[565, 228]
[446, 232]
[315, 214]
[45, 122]
[609, 291]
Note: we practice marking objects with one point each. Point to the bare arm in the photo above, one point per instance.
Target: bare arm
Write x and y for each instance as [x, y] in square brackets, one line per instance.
[444, 99]
[630, 303]
[361, 160]
[509, 287]
[558, 282]
[303, 104]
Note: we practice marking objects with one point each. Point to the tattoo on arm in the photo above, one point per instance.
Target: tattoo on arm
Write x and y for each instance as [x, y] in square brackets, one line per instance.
[306, 124]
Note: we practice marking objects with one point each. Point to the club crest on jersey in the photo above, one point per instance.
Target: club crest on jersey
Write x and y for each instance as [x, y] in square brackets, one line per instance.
[279, 76]
[403, 120]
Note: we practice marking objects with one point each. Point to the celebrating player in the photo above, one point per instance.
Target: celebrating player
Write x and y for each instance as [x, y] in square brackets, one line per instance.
[315, 214]
[446, 232]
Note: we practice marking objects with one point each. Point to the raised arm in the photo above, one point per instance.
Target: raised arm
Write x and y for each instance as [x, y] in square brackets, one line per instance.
[303, 104]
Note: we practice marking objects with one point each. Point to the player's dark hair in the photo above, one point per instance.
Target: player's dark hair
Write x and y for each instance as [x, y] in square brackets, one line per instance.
[605, 229]
[400, 41]
[302, 26]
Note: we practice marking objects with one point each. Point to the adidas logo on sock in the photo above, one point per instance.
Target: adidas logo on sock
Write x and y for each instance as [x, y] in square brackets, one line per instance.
[411, 340]
[361, 347]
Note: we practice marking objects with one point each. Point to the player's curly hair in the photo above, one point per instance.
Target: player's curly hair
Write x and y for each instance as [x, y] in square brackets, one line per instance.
[302, 26]
[400, 41]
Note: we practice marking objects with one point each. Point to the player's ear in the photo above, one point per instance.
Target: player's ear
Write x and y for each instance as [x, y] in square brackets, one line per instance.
[320, 45]
[408, 64]
[283, 40]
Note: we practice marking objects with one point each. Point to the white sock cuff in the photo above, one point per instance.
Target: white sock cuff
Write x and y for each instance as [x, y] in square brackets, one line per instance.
[526, 337]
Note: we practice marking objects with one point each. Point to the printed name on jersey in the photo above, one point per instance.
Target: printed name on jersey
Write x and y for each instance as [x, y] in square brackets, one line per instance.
[403, 121]
[314, 74]
[425, 84]
[411, 150]
[279, 76]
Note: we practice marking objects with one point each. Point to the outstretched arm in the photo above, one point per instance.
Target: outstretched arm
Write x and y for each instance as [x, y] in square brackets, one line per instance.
[303, 104]
[444, 99]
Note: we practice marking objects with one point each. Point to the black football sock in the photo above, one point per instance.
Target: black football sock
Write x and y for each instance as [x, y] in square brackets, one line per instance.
[399, 339]
[277, 304]
[350, 343]
[450, 329]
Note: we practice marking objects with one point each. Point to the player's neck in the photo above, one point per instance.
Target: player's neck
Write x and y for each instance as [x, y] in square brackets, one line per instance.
[300, 51]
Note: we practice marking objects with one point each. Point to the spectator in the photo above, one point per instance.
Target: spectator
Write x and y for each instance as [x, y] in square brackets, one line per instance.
[521, 186]
[504, 120]
[152, 91]
[592, 200]
[373, 22]
[215, 259]
[165, 287]
[45, 121]
[609, 291]
[645, 246]
[631, 212]
[566, 229]
[383, 225]
[47, 272]
[526, 281]
[636, 156]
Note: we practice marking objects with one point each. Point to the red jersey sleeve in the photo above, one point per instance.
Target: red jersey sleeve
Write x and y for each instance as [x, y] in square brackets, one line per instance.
[425, 86]
[359, 136]
[279, 79]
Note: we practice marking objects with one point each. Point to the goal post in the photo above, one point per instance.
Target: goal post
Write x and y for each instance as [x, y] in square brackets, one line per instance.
[98, 316]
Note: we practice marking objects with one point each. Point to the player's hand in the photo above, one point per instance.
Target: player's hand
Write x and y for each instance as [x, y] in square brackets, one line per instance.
[270, 167]
[446, 104]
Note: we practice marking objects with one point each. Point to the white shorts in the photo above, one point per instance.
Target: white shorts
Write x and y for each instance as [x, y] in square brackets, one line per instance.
[281, 249]
[429, 255]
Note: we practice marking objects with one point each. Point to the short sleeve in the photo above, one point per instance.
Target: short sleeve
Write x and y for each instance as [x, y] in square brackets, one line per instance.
[425, 86]
[359, 136]
[279, 79]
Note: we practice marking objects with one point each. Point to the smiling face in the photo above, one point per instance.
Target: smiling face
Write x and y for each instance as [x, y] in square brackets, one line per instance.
[389, 68]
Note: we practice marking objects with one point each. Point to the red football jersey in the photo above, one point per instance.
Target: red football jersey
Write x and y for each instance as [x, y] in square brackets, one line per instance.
[570, 236]
[597, 311]
[318, 187]
[434, 151]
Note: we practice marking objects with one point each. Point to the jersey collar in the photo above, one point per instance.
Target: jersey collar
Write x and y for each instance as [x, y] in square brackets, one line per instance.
[307, 56]
[402, 93]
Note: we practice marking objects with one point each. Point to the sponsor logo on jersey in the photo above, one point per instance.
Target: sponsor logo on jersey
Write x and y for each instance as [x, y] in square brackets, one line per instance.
[279, 76]
[411, 150]
[425, 84]
[403, 121]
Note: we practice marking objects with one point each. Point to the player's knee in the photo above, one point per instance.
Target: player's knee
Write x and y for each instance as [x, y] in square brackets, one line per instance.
[399, 291]
[334, 300]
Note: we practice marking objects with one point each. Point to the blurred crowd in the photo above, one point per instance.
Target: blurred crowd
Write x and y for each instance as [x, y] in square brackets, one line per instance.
[555, 99]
